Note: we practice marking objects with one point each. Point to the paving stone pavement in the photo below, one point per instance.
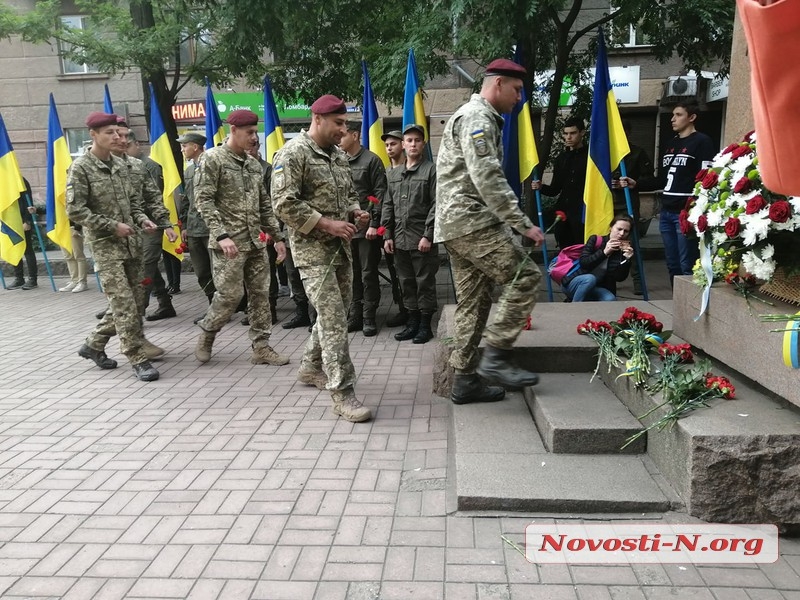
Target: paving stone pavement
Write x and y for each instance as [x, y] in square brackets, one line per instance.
[232, 481]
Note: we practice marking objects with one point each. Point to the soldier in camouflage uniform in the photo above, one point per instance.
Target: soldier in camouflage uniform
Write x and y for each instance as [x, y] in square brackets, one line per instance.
[475, 207]
[230, 195]
[313, 193]
[103, 199]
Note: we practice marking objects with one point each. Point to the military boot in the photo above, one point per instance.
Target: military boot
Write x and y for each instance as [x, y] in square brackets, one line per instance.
[369, 328]
[468, 388]
[347, 406]
[144, 371]
[411, 328]
[17, 284]
[498, 366]
[205, 342]
[355, 322]
[98, 356]
[300, 318]
[266, 355]
[151, 351]
[424, 334]
[165, 309]
[312, 376]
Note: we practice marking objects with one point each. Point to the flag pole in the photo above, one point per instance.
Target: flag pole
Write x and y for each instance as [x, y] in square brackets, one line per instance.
[538, 195]
[41, 242]
[634, 232]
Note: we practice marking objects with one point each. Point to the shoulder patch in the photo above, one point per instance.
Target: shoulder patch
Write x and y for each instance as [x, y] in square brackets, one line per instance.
[479, 142]
[278, 177]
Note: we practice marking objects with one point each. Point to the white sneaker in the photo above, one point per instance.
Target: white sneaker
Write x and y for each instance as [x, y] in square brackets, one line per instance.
[68, 288]
[81, 287]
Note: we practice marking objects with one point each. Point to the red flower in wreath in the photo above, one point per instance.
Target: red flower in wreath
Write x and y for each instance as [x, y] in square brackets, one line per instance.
[702, 223]
[732, 227]
[710, 180]
[742, 186]
[683, 221]
[755, 204]
[780, 211]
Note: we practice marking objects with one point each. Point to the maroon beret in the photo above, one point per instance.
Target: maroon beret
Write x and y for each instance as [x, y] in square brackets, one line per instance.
[96, 120]
[505, 67]
[121, 121]
[328, 104]
[243, 118]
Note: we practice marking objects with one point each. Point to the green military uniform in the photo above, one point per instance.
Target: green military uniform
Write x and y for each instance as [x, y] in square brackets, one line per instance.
[101, 194]
[196, 234]
[309, 183]
[474, 209]
[230, 195]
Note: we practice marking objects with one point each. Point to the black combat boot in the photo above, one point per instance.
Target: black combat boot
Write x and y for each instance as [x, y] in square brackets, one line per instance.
[165, 310]
[370, 328]
[498, 366]
[425, 333]
[411, 328]
[468, 388]
[98, 357]
[300, 318]
[355, 322]
[144, 371]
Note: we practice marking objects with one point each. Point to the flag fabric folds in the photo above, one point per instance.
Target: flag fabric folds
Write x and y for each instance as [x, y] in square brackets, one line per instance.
[58, 162]
[371, 125]
[215, 132]
[12, 234]
[273, 132]
[161, 152]
[608, 145]
[108, 108]
[519, 145]
[413, 108]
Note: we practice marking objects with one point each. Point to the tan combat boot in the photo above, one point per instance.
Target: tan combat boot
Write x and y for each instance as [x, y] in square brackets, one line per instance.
[348, 407]
[312, 376]
[205, 342]
[265, 355]
[151, 351]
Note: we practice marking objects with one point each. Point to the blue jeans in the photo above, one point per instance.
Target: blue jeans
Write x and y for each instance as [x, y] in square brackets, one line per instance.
[584, 288]
[680, 252]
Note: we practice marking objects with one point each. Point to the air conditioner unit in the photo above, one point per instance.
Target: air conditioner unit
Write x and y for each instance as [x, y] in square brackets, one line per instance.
[681, 86]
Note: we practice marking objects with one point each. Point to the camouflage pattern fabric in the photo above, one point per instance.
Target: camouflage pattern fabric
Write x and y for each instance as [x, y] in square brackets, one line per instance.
[480, 260]
[473, 192]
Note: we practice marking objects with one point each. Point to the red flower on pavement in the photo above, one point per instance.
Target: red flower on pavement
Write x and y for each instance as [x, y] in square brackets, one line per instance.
[722, 384]
[373, 200]
[780, 211]
[381, 230]
[528, 324]
[146, 281]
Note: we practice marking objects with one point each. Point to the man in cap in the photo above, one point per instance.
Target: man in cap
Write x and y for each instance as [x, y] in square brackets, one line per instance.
[195, 231]
[313, 193]
[229, 192]
[394, 147]
[475, 207]
[107, 203]
[369, 177]
[408, 216]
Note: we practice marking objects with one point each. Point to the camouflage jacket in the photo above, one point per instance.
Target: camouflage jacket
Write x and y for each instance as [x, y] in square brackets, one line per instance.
[410, 207]
[369, 177]
[190, 219]
[99, 196]
[230, 195]
[472, 189]
[309, 183]
[152, 197]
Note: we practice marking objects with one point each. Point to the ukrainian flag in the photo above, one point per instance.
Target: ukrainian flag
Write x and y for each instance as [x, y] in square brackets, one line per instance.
[12, 235]
[108, 108]
[215, 132]
[58, 162]
[161, 152]
[413, 108]
[608, 145]
[519, 146]
[273, 132]
[371, 125]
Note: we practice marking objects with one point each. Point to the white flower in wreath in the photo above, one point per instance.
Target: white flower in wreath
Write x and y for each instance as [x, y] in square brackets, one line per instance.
[716, 217]
[718, 237]
[761, 267]
[755, 227]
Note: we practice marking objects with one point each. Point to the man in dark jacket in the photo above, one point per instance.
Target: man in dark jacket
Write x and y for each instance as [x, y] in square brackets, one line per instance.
[26, 211]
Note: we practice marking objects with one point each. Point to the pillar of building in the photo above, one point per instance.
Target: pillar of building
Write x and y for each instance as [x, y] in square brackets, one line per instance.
[739, 114]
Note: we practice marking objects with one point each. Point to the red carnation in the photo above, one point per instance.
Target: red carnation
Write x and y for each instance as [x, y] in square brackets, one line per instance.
[755, 204]
[372, 200]
[742, 186]
[732, 227]
[780, 211]
[146, 281]
[178, 250]
[184, 246]
[528, 325]
[710, 180]
[702, 223]
[700, 174]
[561, 215]
[683, 220]
[262, 236]
[381, 230]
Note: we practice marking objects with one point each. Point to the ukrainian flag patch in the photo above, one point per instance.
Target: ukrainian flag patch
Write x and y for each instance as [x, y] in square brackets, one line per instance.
[479, 142]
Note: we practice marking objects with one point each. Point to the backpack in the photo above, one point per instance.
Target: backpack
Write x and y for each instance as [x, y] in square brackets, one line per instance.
[568, 261]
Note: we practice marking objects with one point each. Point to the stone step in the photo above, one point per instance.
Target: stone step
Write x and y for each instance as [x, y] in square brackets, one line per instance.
[577, 416]
[501, 464]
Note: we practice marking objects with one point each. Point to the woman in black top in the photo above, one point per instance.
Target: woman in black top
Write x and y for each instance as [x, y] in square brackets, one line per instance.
[602, 265]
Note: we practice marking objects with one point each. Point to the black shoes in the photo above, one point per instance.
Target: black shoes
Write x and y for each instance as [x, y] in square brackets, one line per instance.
[424, 333]
[98, 356]
[468, 388]
[165, 310]
[356, 321]
[173, 290]
[370, 329]
[300, 318]
[144, 371]
[411, 328]
[498, 366]
[16, 285]
[30, 284]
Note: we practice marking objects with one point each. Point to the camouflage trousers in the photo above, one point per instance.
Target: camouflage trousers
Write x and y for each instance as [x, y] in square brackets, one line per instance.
[480, 260]
[122, 284]
[232, 276]
[329, 290]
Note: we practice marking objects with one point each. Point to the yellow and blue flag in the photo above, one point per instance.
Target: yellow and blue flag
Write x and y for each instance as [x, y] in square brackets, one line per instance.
[413, 107]
[371, 125]
[608, 145]
[273, 132]
[519, 145]
[58, 162]
[12, 234]
[215, 132]
[161, 152]
[108, 107]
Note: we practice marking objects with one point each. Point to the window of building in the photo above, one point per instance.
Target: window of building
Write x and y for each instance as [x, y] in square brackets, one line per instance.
[628, 35]
[67, 66]
[77, 141]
